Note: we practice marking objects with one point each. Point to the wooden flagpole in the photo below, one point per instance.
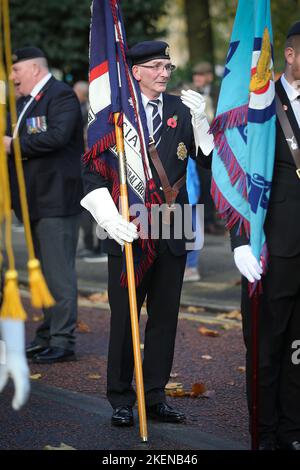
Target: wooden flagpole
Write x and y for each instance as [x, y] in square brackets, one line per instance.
[131, 287]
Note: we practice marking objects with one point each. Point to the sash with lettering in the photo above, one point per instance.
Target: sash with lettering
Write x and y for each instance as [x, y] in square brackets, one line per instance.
[244, 127]
[113, 89]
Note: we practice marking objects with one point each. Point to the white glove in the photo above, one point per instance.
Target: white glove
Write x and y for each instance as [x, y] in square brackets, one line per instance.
[15, 364]
[100, 204]
[246, 263]
[196, 103]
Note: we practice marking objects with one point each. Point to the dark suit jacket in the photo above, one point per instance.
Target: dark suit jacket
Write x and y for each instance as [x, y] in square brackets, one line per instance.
[51, 158]
[282, 225]
[174, 167]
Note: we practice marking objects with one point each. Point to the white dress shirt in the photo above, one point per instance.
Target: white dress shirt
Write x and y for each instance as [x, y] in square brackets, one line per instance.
[292, 96]
[149, 108]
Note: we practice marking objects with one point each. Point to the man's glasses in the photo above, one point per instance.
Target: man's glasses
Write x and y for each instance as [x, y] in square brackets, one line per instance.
[158, 68]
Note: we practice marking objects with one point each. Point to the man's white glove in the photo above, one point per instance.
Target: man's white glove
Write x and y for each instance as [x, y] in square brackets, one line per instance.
[13, 361]
[196, 103]
[246, 263]
[100, 204]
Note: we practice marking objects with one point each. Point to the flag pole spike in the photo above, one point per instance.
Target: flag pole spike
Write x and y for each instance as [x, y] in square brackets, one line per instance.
[131, 286]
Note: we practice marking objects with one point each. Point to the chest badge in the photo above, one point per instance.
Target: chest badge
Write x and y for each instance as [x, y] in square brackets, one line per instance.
[181, 151]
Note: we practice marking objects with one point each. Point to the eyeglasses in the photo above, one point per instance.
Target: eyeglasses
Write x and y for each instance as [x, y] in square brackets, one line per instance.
[160, 67]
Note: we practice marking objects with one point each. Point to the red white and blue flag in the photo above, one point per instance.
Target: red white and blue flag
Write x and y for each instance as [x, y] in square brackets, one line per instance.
[113, 90]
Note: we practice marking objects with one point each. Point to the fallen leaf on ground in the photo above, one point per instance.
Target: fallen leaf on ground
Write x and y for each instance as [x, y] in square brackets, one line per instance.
[231, 383]
[234, 314]
[206, 356]
[173, 385]
[99, 297]
[35, 376]
[208, 332]
[173, 375]
[177, 393]
[197, 389]
[241, 368]
[82, 327]
[62, 446]
[192, 309]
[94, 376]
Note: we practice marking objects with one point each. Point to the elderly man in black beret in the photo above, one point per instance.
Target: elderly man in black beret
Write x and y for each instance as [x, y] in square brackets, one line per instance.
[50, 130]
[279, 327]
[178, 128]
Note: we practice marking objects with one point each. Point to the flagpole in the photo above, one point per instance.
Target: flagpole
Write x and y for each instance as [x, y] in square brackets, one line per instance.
[131, 287]
[255, 356]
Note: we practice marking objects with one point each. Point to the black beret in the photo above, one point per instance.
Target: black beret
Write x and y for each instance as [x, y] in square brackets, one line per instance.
[148, 50]
[295, 29]
[26, 53]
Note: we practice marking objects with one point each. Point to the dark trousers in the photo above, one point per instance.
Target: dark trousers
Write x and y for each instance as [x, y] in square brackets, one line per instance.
[162, 284]
[279, 331]
[55, 241]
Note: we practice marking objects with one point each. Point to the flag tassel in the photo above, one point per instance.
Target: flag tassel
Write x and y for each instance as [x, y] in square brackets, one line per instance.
[40, 295]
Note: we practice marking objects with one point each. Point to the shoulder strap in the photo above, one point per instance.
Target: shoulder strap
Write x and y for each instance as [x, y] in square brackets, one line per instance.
[288, 133]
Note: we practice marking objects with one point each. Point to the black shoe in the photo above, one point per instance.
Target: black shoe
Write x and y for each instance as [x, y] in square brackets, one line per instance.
[33, 348]
[267, 443]
[122, 416]
[164, 412]
[294, 445]
[51, 355]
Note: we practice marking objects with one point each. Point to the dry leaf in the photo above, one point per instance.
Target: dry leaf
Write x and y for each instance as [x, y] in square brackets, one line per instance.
[35, 376]
[197, 389]
[234, 314]
[241, 368]
[208, 332]
[37, 318]
[94, 376]
[98, 297]
[62, 446]
[192, 309]
[231, 383]
[82, 327]
[177, 393]
[206, 356]
[173, 386]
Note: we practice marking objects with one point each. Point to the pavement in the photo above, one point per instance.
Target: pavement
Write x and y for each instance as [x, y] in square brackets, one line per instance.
[68, 406]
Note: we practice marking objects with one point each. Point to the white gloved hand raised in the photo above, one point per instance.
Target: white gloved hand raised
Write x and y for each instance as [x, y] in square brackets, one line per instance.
[100, 204]
[247, 264]
[196, 103]
[15, 364]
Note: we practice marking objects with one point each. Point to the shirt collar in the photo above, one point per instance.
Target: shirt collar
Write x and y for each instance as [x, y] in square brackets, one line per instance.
[290, 90]
[35, 91]
[146, 100]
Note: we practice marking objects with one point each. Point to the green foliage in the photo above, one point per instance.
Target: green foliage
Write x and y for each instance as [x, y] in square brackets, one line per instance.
[61, 29]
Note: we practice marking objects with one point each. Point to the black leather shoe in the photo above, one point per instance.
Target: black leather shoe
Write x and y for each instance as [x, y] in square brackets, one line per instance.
[51, 355]
[267, 443]
[164, 412]
[122, 416]
[294, 445]
[33, 348]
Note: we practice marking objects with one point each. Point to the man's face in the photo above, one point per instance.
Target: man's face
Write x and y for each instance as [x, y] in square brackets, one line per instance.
[152, 76]
[23, 74]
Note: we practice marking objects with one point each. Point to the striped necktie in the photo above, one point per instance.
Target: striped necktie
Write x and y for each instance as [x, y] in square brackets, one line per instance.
[156, 122]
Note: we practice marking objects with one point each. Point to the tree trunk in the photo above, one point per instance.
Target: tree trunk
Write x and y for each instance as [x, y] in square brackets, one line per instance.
[200, 39]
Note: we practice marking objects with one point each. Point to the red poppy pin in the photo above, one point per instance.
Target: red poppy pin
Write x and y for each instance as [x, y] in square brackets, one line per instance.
[39, 96]
[172, 121]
